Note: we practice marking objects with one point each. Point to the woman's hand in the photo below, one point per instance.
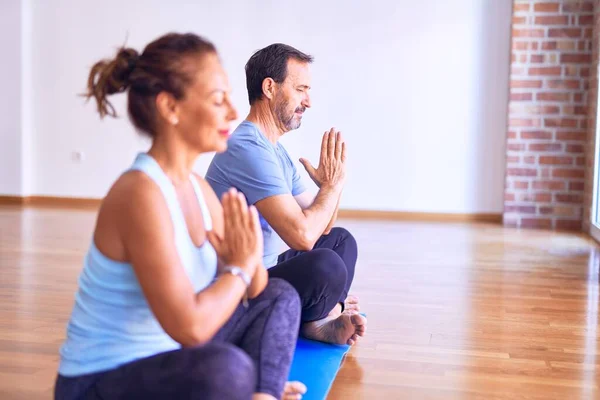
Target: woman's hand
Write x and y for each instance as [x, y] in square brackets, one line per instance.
[242, 242]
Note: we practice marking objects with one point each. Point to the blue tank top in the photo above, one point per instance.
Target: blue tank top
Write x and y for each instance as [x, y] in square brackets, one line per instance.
[111, 323]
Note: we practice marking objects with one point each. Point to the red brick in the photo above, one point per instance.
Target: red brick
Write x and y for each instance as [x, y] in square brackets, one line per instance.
[545, 210]
[541, 109]
[531, 198]
[581, 45]
[556, 160]
[583, 124]
[541, 135]
[541, 223]
[516, 146]
[564, 32]
[529, 159]
[545, 173]
[588, 33]
[534, 45]
[519, 20]
[512, 135]
[524, 122]
[549, 185]
[545, 71]
[536, 58]
[521, 172]
[553, 96]
[521, 96]
[549, 45]
[578, 97]
[566, 45]
[546, 7]
[528, 33]
[575, 136]
[520, 84]
[520, 185]
[568, 198]
[580, 161]
[545, 146]
[513, 159]
[576, 186]
[520, 45]
[523, 58]
[552, 20]
[575, 148]
[516, 71]
[571, 70]
[578, 6]
[542, 197]
[522, 209]
[586, 19]
[575, 58]
[521, 7]
[562, 84]
[560, 122]
[509, 197]
[569, 224]
[577, 173]
[574, 110]
[584, 72]
[513, 58]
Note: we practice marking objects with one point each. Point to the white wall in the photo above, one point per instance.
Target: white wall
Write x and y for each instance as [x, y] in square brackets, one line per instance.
[10, 99]
[418, 88]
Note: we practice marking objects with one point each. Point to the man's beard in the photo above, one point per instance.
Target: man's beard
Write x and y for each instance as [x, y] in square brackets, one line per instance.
[288, 119]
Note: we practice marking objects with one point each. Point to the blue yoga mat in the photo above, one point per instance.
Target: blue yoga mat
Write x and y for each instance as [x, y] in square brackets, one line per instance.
[316, 364]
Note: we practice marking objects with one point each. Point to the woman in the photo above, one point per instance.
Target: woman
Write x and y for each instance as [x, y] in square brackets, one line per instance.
[173, 299]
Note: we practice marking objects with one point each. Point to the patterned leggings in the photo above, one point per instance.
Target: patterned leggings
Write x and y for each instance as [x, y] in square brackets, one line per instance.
[251, 353]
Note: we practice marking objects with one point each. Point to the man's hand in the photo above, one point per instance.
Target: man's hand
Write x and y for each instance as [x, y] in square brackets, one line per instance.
[332, 164]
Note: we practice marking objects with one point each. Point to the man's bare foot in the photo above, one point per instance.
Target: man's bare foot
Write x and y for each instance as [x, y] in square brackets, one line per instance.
[293, 390]
[351, 303]
[342, 329]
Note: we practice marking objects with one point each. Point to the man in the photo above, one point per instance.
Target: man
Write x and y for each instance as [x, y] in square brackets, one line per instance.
[321, 260]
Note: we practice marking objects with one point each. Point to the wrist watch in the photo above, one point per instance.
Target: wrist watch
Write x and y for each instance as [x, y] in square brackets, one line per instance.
[237, 271]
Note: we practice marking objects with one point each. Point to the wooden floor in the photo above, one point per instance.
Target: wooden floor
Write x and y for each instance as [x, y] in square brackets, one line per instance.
[456, 311]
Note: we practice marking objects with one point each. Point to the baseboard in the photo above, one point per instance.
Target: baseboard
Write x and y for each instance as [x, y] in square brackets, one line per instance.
[86, 203]
[419, 216]
[51, 202]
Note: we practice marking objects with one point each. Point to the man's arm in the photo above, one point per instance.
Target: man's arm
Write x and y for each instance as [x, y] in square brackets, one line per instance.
[300, 228]
[306, 199]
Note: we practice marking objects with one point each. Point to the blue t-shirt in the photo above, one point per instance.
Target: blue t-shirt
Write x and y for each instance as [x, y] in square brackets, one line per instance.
[259, 169]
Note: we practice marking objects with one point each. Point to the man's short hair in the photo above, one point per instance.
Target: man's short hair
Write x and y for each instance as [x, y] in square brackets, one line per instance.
[270, 62]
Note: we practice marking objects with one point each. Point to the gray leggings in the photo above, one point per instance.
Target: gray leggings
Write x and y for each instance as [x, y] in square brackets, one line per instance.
[251, 353]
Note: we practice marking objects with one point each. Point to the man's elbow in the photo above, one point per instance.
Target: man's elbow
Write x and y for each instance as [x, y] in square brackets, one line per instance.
[304, 241]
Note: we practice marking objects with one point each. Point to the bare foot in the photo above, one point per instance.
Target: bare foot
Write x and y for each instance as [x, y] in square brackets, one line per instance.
[351, 303]
[342, 329]
[293, 390]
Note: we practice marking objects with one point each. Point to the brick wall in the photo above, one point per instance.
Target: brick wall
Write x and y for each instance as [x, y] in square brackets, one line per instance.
[548, 113]
[591, 135]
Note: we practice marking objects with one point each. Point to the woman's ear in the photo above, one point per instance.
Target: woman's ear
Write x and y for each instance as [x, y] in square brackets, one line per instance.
[168, 108]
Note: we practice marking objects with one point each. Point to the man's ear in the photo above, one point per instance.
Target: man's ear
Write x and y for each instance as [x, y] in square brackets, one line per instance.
[268, 88]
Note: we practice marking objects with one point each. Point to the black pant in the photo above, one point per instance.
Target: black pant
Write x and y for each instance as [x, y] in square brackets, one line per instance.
[251, 353]
[323, 275]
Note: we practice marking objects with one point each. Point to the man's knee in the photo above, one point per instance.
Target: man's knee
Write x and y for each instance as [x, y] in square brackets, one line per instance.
[326, 266]
[346, 236]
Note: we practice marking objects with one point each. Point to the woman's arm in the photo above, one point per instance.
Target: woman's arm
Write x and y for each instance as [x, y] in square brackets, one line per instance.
[146, 229]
